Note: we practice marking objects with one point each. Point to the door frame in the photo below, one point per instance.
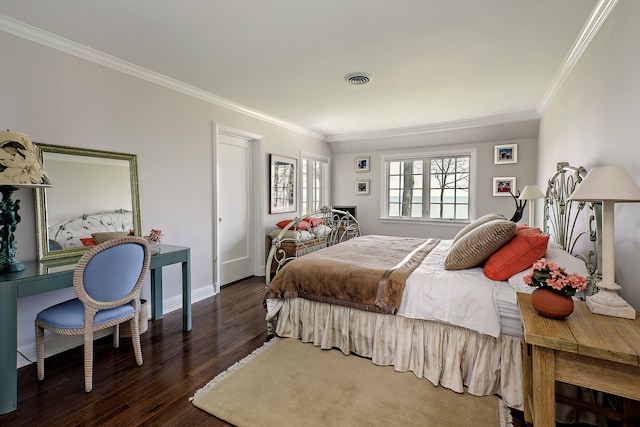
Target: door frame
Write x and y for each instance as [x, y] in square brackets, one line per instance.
[257, 219]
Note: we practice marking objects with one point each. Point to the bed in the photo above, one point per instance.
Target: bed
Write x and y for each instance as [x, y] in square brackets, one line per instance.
[87, 229]
[453, 326]
[300, 236]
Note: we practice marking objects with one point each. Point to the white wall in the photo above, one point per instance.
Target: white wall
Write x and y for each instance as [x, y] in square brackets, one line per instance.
[60, 99]
[593, 121]
[369, 207]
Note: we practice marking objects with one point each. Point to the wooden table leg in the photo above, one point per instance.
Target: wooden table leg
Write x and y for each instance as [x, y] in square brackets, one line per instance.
[543, 410]
[527, 382]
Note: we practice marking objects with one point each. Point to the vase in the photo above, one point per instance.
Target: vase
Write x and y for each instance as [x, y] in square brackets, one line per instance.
[551, 304]
[152, 243]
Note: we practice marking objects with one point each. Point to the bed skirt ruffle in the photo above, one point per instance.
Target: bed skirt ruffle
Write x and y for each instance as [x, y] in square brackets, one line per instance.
[453, 357]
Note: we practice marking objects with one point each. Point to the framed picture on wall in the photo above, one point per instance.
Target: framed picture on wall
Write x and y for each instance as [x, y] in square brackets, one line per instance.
[505, 154]
[362, 164]
[362, 187]
[282, 190]
[504, 185]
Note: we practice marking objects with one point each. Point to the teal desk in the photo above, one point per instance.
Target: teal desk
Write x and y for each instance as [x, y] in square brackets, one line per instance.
[40, 277]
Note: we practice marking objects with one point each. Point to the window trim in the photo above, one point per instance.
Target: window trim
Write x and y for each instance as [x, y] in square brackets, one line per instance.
[473, 174]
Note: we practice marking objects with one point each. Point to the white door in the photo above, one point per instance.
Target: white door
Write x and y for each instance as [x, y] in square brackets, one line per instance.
[235, 195]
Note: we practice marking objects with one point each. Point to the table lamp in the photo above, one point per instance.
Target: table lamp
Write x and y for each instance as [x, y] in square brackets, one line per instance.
[531, 193]
[609, 185]
[20, 166]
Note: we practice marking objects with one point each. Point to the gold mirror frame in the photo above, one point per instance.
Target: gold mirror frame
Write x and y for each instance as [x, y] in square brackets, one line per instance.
[41, 214]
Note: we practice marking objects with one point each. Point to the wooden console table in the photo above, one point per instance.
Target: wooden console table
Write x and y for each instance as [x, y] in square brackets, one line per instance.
[41, 277]
[588, 350]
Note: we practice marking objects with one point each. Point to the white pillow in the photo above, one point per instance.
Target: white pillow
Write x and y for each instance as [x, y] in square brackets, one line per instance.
[561, 257]
[321, 230]
[300, 235]
[553, 244]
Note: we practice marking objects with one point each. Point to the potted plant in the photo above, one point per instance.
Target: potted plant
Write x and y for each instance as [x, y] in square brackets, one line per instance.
[555, 287]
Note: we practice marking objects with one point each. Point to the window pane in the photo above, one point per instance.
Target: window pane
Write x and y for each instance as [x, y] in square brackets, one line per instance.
[394, 168]
[434, 210]
[448, 211]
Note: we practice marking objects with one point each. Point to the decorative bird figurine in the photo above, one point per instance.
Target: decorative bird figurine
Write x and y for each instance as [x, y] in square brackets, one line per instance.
[520, 205]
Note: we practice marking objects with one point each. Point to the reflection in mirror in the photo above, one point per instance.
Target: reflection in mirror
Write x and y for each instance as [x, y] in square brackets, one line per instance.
[95, 197]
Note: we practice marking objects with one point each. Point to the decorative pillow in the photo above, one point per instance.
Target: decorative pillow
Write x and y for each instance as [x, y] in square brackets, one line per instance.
[88, 241]
[478, 222]
[526, 228]
[313, 221]
[108, 235]
[300, 235]
[519, 253]
[476, 246]
[302, 225]
[321, 230]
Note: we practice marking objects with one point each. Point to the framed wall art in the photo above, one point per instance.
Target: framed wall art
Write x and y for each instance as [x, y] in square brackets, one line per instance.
[505, 154]
[362, 187]
[504, 185]
[362, 164]
[283, 190]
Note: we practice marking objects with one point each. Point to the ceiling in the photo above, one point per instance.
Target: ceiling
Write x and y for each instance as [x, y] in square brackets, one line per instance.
[431, 62]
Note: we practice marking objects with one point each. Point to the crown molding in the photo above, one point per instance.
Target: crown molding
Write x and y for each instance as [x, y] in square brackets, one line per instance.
[438, 127]
[598, 16]
[37, 35]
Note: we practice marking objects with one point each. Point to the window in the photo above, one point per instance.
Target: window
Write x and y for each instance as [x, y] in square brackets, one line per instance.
[428, 187]
[315, 184]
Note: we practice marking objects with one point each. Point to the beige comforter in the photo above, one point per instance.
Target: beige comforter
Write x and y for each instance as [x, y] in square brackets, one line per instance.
[368, 273]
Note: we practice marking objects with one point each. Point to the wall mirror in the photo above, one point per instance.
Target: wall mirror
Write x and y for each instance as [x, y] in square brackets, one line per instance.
[94, 197]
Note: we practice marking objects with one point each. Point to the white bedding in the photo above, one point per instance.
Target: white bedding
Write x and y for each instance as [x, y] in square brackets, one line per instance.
[464, 298]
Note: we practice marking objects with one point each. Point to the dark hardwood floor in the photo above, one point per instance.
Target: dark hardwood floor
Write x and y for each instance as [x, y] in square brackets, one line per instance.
[226, 328]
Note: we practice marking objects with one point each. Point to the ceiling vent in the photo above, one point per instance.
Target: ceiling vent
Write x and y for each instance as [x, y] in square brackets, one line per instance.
[358, 79]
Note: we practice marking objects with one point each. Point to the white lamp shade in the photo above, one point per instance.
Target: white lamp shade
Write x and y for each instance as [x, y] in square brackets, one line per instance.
[20, 164]
[531, 192]
[610, 183]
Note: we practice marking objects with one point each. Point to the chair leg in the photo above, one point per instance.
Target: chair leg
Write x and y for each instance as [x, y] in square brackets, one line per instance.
[116, 336]
[88, 358]
[135, 337]
[40, 352]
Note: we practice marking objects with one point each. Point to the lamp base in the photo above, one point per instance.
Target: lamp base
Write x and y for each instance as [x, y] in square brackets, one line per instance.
[12, 267]
[609, 303]
[9, 218]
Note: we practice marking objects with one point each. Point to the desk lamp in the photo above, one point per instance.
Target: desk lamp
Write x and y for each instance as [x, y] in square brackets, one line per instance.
[531, 193]
[20, 166]
[609, 185]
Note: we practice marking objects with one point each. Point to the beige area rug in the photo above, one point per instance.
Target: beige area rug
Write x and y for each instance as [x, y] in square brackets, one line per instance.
[290, 383]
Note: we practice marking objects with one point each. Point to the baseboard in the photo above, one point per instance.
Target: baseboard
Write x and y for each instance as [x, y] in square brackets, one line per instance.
[54, 344]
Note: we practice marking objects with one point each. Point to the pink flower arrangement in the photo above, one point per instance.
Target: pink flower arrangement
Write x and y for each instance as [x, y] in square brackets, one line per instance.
[155, 235]
[548, 275]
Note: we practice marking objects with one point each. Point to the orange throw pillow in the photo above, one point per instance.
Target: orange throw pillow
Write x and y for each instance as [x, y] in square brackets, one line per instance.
[519, 253]
[302, 225]
[88, 241]
[313, 221]
[526, 228]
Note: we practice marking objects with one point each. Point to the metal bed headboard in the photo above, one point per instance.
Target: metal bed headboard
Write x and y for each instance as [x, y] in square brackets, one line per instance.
[576, 226]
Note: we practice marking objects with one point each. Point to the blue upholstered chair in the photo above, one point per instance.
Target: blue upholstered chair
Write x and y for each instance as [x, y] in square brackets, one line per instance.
[107, 281]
